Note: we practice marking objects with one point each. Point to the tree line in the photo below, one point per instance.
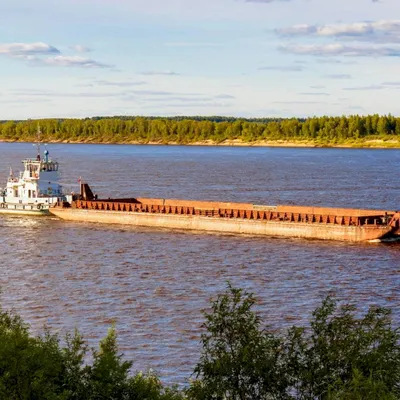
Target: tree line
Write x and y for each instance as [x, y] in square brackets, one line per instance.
[186, 130]
[340, 355]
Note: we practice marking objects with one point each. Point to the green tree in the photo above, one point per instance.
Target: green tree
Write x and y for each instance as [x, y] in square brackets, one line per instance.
[108, 375]
[360, 388]
[239, 360]
[356, 353]
[38, 368]
[75, 377]
[149, 387]
[29, 367]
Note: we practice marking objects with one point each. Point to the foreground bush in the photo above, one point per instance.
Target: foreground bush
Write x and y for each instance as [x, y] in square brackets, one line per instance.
[344, 356]
[338, 356]
[39, 368]
[239, 360]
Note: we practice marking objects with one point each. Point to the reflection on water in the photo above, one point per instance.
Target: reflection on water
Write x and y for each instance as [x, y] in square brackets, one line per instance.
[154, 283]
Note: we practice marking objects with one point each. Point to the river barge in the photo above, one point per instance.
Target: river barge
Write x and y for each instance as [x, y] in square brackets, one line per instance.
[354, 225]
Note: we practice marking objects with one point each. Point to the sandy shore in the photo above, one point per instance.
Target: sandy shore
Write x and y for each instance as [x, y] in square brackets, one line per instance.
[373, 143]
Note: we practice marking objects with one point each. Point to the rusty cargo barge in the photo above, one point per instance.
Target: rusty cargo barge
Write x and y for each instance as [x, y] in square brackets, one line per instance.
[355, 225]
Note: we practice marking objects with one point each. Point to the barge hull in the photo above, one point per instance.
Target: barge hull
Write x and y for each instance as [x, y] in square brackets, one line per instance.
[228, 225]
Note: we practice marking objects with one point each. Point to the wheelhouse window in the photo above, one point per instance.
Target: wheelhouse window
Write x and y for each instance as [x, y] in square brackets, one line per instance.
[49, 166]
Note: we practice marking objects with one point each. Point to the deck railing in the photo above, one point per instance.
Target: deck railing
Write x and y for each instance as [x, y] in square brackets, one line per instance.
[236, 213]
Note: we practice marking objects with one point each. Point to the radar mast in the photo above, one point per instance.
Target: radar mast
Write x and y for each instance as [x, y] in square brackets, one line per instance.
[38, 142]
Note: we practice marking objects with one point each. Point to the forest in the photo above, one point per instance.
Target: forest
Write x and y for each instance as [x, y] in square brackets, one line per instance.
[340, 355]
[355, 130]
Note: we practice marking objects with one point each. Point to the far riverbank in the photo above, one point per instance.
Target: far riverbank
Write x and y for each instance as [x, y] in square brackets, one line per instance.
[366, 143]
[376, 131]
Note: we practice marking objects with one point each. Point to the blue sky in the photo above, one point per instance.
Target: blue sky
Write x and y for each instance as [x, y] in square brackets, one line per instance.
[248, 58]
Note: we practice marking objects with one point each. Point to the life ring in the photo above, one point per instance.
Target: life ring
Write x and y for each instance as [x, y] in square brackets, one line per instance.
[39, 206]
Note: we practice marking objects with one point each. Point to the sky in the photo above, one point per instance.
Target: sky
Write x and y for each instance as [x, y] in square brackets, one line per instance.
[243, 58]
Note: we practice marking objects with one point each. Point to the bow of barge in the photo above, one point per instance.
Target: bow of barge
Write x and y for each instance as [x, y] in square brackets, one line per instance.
[355, 225]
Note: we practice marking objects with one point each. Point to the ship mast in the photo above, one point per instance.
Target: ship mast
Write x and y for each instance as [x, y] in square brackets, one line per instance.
[38, 143]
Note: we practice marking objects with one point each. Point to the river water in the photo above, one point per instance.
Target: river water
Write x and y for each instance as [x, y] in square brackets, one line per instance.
[153, 283]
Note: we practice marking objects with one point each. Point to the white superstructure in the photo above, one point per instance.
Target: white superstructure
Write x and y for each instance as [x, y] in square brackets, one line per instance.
[35, 189]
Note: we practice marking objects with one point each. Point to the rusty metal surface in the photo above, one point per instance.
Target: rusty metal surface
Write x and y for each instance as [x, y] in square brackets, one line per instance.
[239, 225]
[246, 211]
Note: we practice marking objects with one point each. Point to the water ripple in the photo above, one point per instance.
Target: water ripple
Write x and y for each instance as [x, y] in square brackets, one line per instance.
[153, 284]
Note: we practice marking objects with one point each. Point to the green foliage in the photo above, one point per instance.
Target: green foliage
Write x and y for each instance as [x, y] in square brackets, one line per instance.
[29, 367]
[108, 376]
[322, 131]
[239, 360]
[356, 353]
[149, 387]
[340, 355]
[74, 375]
[38, 368]
[361, 388]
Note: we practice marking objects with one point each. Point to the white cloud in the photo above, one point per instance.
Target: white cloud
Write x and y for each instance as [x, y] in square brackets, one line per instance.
[119, 83]
[282, 68]
[297, 30]
[345, 30]
[338, 49]
[27, 49]
[192, 44]
[369, 39]
[371, 87]
[34, 54]
[338, 76]
[73, 61]
[394, 83]
[383, 30]
[298, 102]
[80, 48]
[314, 94]
[163, 73]
[224, 96]
[333, 61]
[265, 1]
[50, 94]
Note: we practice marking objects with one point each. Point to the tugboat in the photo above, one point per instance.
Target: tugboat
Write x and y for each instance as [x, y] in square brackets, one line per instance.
[36, 189]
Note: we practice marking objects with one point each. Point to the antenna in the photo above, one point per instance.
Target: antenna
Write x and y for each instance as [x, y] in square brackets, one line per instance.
[46, 154]
[38, 143]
